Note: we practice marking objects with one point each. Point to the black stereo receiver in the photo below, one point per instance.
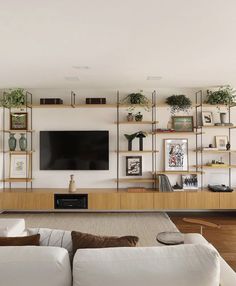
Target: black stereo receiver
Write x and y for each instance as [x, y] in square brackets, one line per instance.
[71, 201]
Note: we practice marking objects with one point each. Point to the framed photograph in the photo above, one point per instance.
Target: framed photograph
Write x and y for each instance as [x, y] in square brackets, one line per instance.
[182, 123]
[20, 166]
[19, 121]
[176, 154]
[133, 165]
[207, 118]
[221, 142]
[190, 181]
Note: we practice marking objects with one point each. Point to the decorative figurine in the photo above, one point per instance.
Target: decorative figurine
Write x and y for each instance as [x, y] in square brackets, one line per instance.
[141, 135]
[228, 146]
[130, 138]
[72, 186]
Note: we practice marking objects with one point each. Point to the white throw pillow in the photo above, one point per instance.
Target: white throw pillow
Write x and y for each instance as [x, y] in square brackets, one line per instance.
[54, 237]
[183, 265]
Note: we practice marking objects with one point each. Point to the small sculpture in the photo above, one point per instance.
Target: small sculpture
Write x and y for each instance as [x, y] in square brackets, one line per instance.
[141, 135]
[228, 146]
[130, 138]
[72, 186]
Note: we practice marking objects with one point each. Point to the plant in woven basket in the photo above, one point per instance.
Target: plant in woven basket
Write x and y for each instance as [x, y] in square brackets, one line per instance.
[224, 95]
[13, 98]
[178, 103]
[137, 98]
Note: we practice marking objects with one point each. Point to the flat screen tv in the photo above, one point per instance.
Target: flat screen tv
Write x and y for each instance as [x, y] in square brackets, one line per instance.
[74, 150]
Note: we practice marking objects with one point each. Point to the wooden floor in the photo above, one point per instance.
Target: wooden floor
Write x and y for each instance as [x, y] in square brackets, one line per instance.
[224, 238]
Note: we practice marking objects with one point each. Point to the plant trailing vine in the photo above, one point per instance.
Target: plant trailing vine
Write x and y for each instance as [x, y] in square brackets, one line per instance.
[137, 99]
[224, 95]
[178, 103]
[13, 98]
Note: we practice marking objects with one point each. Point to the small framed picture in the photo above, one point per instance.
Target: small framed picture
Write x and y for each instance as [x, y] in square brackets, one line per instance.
[20, 166]
[190, 181]
[221, 142]
[182, 123]
[176, 154]
[133, 165]
[19, 121]
[207, 118]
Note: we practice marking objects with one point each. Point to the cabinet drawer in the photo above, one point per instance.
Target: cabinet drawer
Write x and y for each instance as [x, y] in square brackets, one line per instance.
[137, 201]
[228, 200]
[202, 200]
[172, 200]
[104, 201]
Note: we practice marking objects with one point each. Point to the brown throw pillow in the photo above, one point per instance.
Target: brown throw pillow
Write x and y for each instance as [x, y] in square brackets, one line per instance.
[20, 240]
[85, 240]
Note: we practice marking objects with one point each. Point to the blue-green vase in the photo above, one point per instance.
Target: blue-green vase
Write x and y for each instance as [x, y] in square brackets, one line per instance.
[12, 142]
[23, 142]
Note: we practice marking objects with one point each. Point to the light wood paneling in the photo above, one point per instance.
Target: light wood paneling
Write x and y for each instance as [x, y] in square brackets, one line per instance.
[202, 200]
[139, 201]
[228, 200]
[172, 200]
[1, 198]
[104, 201]
[28, 201]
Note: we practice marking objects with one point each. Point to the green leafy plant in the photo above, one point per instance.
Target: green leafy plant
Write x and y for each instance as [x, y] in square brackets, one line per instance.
[225, 95]
[14, 98]
[179, 103]
[137, 98]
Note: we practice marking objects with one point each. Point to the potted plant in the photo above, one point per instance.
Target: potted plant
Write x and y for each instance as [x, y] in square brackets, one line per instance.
[13, 98]
[137, 98]
[178, 103]
[224, 95]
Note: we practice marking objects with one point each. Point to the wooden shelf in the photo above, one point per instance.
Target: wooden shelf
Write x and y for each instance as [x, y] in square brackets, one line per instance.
[17, 180]
[52, 106]
[223, 166]
[214, 126]
[175, 133]
[124, 105]
[18, 131]
[133, 180]
[137, 151]
[74, 105]
[177, 172]
[19, 152]
[216, 151]
[136, 122]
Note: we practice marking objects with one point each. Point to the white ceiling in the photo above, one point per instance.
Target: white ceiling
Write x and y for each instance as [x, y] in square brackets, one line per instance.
[187, 42]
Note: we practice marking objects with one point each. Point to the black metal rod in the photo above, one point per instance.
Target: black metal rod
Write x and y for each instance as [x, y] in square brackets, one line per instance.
[117, 138]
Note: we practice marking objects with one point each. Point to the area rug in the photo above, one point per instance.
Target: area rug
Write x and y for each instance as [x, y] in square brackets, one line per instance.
[144, 225]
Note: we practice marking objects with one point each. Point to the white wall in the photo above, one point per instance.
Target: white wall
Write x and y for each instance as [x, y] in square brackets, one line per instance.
[103, 119]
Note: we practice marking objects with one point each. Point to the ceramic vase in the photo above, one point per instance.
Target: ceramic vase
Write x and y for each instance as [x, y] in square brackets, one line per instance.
[130, 117]
[23, 142]
[12, 142]
[223, 117]
[72, 186]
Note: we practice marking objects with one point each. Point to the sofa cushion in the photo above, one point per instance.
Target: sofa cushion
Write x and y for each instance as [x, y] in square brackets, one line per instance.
[20, 241]
[34, 266]
[181, 265]
[86, 240]
[53, 237]
[11, 227]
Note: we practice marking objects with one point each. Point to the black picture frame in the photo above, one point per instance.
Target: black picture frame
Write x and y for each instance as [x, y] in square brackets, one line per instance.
[133, 165]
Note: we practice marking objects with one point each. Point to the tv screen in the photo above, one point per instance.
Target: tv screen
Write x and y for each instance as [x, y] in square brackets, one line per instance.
[74, 150]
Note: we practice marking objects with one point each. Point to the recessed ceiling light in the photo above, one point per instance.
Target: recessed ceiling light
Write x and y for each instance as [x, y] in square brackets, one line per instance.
[71, 78]
[81, 67]
[154, 78]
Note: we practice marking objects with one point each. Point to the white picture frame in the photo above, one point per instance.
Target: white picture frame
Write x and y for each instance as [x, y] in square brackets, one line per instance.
[176, 154]
[189, 181]
[20, 166]
[207, 118]
[221, 142]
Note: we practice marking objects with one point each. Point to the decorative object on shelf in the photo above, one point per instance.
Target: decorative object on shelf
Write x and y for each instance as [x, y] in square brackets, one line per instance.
[182, 123]
[179, 103]
[19, 121]
[164, 183]
[219, 188]
[207, 118]
[164, 130]
[169, 125]
[130, 117]
[23, 142]
[177, 186]
[12, 142]
[133, 165]
[72, 186]
[176, 154]
[20, 166]
[15, 98]
[141, 135]
[96, 100]
[189, 181]
[221, 142]
[130, 138]
[224, 95]
[138, 116]
[223, 118]
[137, 98]
[51, 101]
[228, 146]
[214, 163]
